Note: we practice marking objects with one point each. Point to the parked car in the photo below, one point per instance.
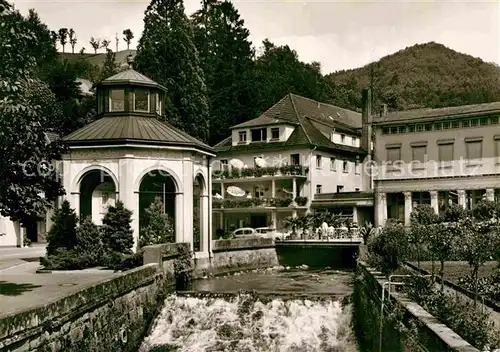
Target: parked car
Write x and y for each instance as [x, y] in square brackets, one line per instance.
[244, 232]
[268, 232]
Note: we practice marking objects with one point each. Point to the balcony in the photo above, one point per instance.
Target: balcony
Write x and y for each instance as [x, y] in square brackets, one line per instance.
[288, 171]
[259, 203]
[359, 199]
[435, 169]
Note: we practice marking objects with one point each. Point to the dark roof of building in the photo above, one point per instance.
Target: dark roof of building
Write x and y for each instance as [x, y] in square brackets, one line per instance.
[440, 113]
[126, 129]
[313, 120]
[131, 77]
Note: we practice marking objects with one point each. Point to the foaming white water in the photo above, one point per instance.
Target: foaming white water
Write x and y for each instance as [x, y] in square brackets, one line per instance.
[240, 324]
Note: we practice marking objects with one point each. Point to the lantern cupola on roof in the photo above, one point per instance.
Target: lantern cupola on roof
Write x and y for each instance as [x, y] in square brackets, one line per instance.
[130, 111]
[130, 92]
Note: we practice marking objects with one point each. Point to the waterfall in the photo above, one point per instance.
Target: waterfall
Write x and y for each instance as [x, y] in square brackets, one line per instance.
[244, 323]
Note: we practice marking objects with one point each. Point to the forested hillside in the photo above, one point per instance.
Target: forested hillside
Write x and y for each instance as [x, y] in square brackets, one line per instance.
[423, 75]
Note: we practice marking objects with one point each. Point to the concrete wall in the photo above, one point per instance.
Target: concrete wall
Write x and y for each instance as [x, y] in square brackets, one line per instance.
[406, 325]
[109, 316]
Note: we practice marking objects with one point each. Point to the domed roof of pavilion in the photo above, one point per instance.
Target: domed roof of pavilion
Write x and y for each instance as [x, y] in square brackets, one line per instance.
[131, 77]
[129, 105]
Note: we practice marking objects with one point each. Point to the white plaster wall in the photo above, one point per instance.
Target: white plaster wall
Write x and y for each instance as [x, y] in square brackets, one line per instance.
[8, 229]
[350, 140]
[329, 179]
[285, 132]
[128, 167]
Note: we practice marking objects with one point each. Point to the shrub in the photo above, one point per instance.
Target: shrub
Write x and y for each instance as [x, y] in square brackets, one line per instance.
[459, 314]
[484, 210]
[64, 259]
[62, 234]
[116, 230]
[301, 201]
[87, 252]
[183, 268]
[453, 213]
[159, 228]
[389, 248]
[89, 241]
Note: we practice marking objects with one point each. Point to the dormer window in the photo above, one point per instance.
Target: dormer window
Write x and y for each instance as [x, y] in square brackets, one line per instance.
[116, 100]
[275, 133]
[354, 141]
[242, 136]
[259, 135]
[342, 138]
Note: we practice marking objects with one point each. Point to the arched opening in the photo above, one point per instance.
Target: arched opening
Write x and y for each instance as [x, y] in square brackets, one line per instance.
[97, 193]
[161, 184]
[198, 191]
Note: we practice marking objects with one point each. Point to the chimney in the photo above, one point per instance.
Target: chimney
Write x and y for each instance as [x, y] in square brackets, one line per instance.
[366, 118]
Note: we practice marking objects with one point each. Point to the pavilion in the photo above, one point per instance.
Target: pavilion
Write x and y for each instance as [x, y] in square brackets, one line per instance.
[130, 153]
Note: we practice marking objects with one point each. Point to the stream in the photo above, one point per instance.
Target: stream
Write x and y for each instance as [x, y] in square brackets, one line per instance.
[277, 309]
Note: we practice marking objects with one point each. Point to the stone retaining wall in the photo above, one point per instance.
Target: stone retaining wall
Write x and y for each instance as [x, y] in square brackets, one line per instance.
[114, 315]
[406, 326]
[108, 316]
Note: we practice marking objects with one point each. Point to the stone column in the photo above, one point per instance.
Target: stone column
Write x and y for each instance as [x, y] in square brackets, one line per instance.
[222, 189]
[434, 201]
[179, 217]
[490, 194]
[355, 214]
[221, 220]
[188, 180]
[274, 218]
[408, 207]
[294, 188]
[205, 226]
[273, 188]
[381, 209]
[462, 200]
[127, 194]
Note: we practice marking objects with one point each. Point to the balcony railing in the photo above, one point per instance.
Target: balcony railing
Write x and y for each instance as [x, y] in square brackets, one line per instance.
[343, 195]
[257, 202]
[289, 170]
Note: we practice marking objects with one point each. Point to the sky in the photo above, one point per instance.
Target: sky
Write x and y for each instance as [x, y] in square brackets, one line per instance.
[339, 34]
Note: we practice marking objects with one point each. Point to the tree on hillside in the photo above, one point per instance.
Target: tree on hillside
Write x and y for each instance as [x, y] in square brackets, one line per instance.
[226, 56]
[95, 43]
[45, 52]
[279, 72]
[82, 50]
[166, 53]
[105, 43]
[63, 37]
[28, 182]
[72, 39]
[128, 36]
[422, 76]
[109, 67]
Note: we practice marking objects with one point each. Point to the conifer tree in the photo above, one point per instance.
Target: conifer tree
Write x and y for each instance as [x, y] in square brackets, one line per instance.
[226, 56]
[62, 234]
[166, 53]
[89, 242]
[159, 228]
[116, 230]
[110, 67]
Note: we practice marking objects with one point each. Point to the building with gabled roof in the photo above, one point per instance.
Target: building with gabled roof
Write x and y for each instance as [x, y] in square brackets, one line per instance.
[295, 157]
